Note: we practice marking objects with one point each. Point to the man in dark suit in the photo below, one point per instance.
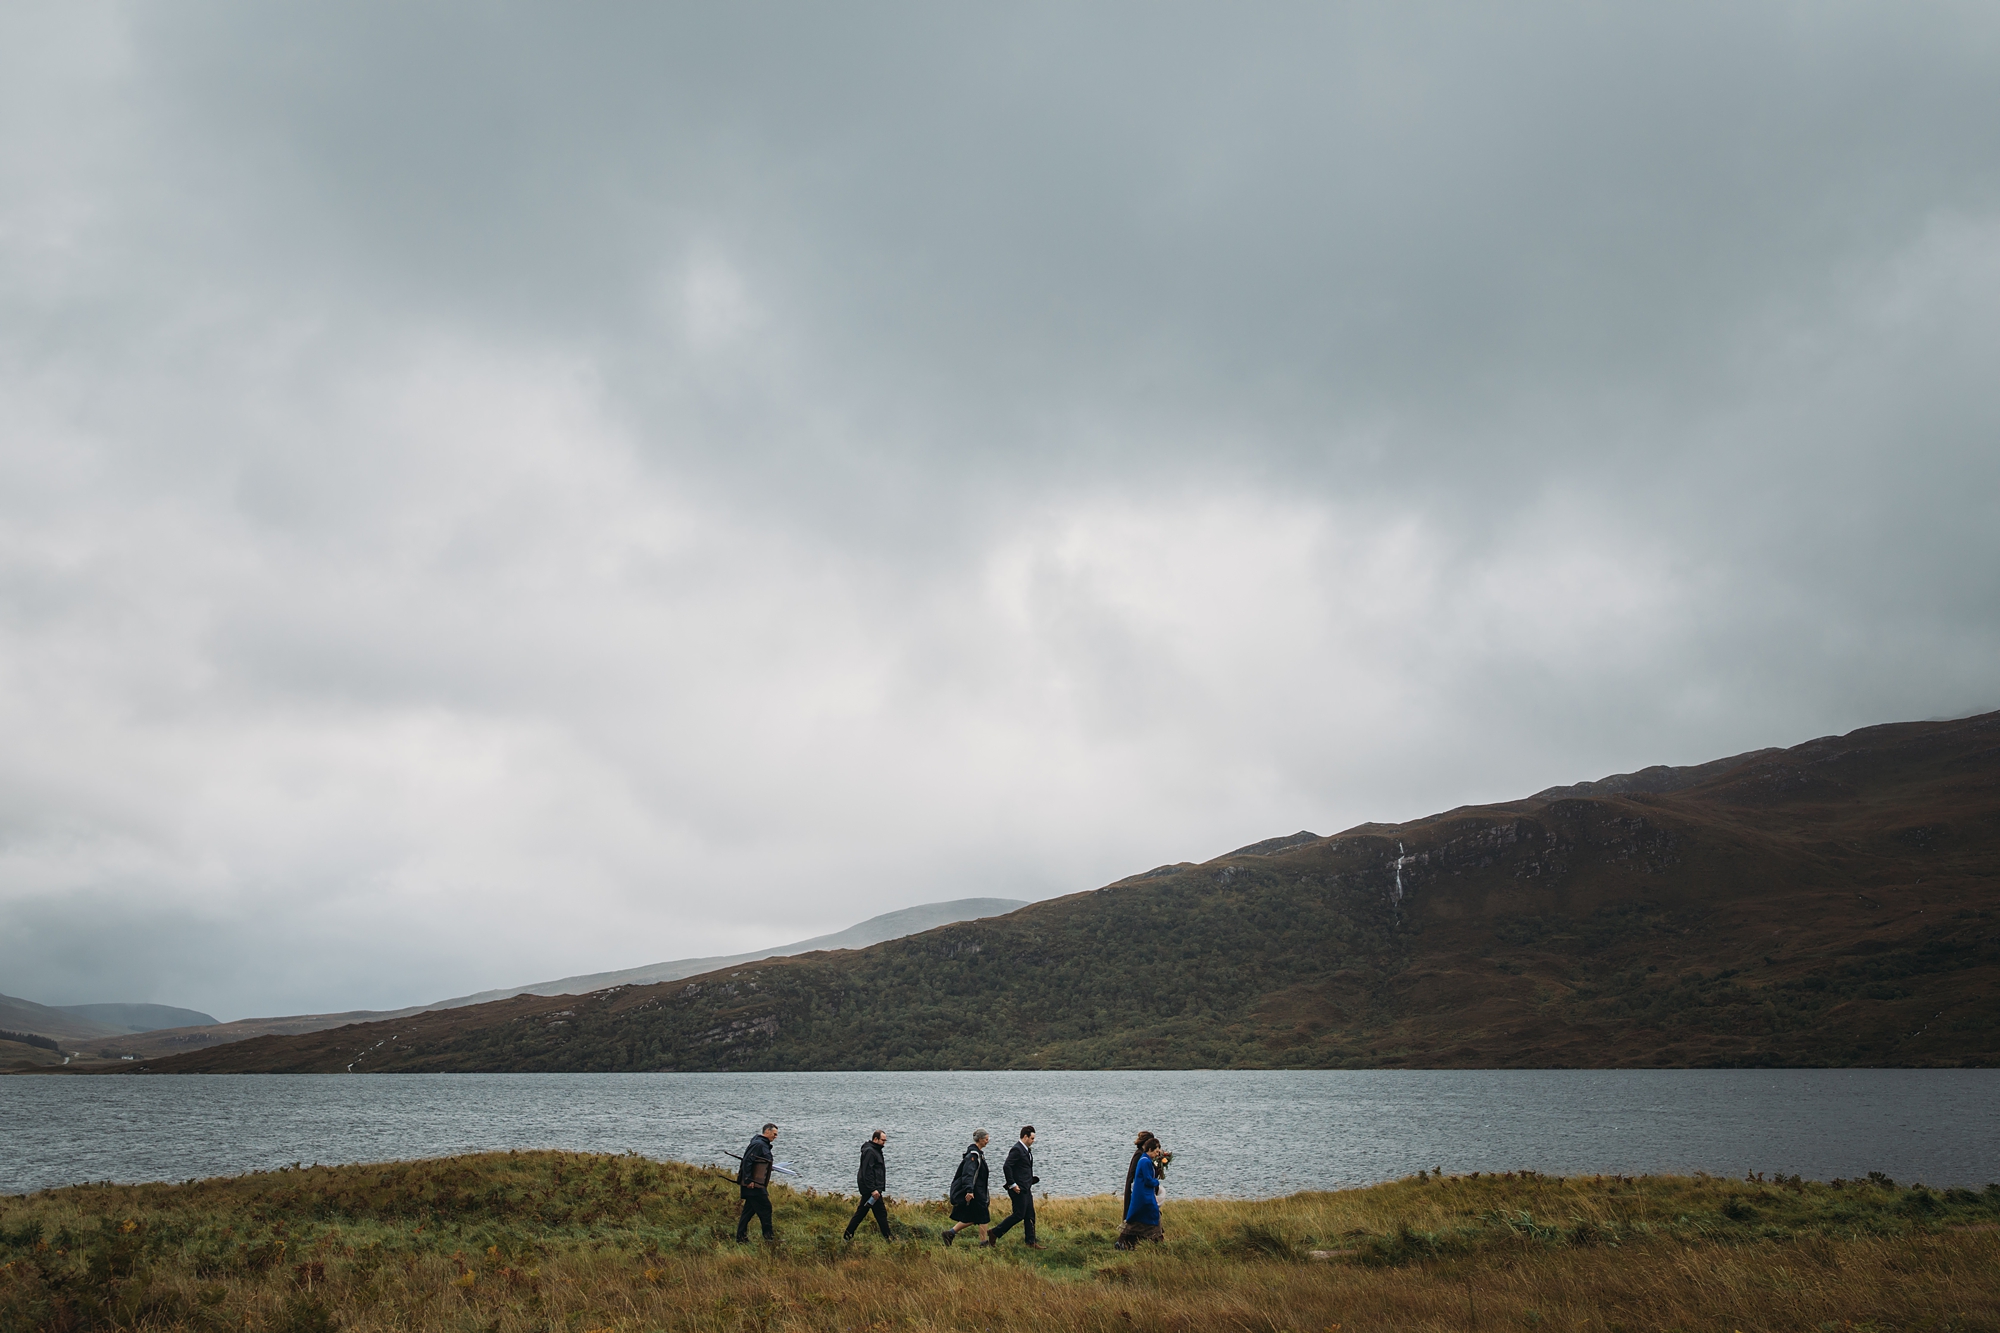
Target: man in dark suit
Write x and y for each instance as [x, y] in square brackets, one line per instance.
[753, 1182]
[1019, 1173]
[873, 1182]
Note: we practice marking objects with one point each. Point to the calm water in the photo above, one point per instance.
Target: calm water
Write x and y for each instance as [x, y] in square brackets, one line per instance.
[1246, 1134]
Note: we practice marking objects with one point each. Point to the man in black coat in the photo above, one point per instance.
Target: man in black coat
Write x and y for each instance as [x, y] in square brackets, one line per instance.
[753, 1182]
[1019, 1173]
[873, 1182]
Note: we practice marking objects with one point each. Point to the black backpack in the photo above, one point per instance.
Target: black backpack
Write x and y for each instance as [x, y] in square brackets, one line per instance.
[965, 1177]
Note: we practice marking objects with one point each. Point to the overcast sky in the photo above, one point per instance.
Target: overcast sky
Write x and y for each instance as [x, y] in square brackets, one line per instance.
[490, 492]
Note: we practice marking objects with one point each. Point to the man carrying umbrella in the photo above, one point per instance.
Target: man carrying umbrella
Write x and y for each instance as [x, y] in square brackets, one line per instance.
[753, 1182]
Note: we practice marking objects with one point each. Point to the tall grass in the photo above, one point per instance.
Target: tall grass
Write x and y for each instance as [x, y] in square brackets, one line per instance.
[567, 1243]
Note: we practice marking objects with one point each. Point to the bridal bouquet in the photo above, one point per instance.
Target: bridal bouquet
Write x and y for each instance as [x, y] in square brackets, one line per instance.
[1166, 1160]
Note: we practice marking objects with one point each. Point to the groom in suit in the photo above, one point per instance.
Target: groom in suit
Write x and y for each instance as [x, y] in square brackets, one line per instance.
[1019, 1173]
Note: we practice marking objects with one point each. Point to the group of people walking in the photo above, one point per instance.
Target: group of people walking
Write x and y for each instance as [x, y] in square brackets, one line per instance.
[970, 1194]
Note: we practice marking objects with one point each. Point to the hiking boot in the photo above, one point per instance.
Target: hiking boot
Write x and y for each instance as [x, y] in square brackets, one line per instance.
[988, 1244]
[950, 1234]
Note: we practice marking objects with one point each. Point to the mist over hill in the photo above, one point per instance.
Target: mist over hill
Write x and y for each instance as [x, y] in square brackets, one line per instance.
[82, 1021]
[888, 926]
[113, 1031]
[1829, 904]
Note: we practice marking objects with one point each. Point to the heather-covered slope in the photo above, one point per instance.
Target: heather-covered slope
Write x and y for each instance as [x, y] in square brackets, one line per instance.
[1830, 904]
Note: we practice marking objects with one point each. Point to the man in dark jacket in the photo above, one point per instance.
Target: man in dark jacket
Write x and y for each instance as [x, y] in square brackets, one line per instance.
[1019, 1173]
[753, 1182]
[873, 1182]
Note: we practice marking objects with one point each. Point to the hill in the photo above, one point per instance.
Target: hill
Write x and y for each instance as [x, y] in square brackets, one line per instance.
[876, 929]
[172, 1041]
[92, 1031]
[48, 1020]
[138, 1017]
[39, 1035]
[1830, 904]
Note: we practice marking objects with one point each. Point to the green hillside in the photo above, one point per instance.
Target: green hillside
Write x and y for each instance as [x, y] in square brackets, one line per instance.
[1832, 904]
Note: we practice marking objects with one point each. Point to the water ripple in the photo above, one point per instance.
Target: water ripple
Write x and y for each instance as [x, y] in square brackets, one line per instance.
[1249, 1134]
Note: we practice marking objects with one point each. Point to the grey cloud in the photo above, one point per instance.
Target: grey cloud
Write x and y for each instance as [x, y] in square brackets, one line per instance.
[596, 486]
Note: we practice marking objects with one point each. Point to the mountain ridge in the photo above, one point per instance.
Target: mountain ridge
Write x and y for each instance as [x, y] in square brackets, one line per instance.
[1828, 904]
[48, 1020]
[116, 1042]
[86, 1021]
[876, 929]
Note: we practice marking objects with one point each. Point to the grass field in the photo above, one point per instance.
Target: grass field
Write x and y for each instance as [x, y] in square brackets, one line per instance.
[568, 1243]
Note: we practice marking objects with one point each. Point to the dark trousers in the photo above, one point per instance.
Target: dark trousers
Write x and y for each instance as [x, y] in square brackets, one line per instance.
[757, 1204]
[875, 1205]
[1024, 1213]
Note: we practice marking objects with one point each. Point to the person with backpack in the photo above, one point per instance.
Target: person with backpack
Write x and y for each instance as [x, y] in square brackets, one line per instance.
[753, 1182]
[969, 1199]
[1018, 1171]
[873, 1182]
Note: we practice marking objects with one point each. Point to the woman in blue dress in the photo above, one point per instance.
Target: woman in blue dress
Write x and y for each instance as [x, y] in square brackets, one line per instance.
[1145, 1137]
[1142, 1216]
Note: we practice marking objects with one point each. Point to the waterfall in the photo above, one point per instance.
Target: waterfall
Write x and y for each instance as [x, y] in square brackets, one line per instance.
[1400, 858]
